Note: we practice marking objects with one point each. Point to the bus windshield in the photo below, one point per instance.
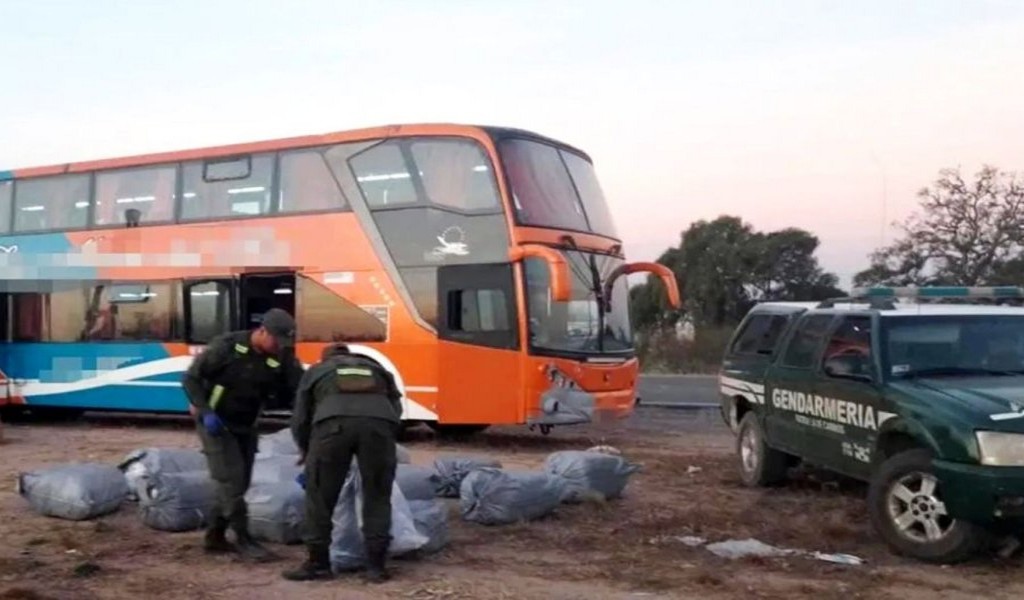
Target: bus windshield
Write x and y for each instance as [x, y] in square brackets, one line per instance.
[579, 325]
[555, 188]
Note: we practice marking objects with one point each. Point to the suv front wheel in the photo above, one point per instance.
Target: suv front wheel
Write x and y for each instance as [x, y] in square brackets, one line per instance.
[760, 464]
[906, 509]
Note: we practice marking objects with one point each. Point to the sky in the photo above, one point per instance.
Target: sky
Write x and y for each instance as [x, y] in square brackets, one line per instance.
[825, 115]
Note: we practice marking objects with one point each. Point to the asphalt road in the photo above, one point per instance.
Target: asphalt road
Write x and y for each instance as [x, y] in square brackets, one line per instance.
[679, 391]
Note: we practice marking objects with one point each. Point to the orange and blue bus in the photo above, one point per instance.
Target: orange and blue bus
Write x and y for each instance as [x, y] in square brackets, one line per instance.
[480, 265]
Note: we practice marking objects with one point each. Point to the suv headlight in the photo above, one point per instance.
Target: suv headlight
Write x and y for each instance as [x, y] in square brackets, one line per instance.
[1000, 449]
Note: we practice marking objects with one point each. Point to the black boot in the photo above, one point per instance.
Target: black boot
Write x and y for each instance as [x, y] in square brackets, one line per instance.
[250, 549]
[316, 566]
[376, 557]
[214, 541]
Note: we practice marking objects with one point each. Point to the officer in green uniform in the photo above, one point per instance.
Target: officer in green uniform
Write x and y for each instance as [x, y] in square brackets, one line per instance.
[347, 406]
[228, 386]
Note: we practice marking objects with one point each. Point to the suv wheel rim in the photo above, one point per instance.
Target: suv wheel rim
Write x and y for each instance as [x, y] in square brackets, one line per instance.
[916, 510]
[749, 455]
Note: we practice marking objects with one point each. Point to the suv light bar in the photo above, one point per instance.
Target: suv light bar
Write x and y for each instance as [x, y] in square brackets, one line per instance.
[939, 292]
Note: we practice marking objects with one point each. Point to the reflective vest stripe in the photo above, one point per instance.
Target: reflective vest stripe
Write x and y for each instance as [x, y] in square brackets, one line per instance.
[359, 371]
[218, 393]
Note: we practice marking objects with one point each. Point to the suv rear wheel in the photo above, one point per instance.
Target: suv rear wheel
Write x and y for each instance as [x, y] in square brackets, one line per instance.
[760, 465]
[906, 509]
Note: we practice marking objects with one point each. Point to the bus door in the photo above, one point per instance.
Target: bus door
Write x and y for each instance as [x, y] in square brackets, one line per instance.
[481, 381]
[260, 292]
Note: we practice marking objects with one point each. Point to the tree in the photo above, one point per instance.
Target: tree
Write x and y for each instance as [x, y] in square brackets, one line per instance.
[647, 302]
[785, 267]
[715, 269]
[963, 234]
[724, 266]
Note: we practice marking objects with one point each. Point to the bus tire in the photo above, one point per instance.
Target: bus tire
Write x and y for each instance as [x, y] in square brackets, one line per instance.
[760, 464]
[57, 414]
[905, 508]
[456, 431]
[14, 414]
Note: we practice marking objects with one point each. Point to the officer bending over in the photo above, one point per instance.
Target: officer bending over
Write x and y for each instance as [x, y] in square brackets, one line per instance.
[346, 406]
[227, 386]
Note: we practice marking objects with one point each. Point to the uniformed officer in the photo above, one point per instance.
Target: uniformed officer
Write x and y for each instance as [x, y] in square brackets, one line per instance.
[228, 386]
[346, 406]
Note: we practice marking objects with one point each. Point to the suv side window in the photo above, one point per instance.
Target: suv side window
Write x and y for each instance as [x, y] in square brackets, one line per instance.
[803, 346]
[852, 338]
[760, 335]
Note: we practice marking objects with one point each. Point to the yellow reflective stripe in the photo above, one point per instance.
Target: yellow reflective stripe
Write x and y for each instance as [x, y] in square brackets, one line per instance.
[355, 371]
[239, 348]
[273, 364]
[218, 392]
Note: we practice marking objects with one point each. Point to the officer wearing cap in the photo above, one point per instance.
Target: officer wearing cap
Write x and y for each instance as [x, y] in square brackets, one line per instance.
[346, 406]
[227, 387]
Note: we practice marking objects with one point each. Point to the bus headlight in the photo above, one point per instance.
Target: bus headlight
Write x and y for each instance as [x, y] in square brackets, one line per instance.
[559, 379]
[999, 449]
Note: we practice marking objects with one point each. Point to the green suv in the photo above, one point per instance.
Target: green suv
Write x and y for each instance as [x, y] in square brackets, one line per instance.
[924, 401]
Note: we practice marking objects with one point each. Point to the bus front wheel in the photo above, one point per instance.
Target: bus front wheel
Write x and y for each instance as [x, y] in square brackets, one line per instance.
[456, 430]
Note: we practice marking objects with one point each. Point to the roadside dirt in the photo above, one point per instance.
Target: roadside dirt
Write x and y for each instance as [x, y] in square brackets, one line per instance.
[628, 548]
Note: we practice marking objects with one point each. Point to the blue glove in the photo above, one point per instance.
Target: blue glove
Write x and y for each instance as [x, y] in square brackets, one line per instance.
[214, 426]
[301, 480]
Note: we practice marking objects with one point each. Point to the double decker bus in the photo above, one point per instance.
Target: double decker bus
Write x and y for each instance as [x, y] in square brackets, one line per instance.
[479, 265]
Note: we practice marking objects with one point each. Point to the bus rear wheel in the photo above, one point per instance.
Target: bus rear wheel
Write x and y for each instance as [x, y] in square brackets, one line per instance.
[56, 414]
[24, 414]
[456, 431]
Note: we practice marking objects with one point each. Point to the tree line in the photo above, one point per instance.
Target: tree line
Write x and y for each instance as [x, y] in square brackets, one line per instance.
[964, 232]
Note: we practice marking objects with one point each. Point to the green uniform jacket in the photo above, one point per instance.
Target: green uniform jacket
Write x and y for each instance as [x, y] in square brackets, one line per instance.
[235, 381]
[320, 395]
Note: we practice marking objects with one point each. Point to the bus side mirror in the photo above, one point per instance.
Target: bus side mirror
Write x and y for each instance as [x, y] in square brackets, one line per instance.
[561, 285]
[664, 273]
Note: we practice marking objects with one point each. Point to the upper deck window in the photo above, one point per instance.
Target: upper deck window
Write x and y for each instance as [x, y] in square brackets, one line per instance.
[142, 195]
[227, 188]
[384, 176]
[307, 183]
[554, 188]
[456, 174]
[6, 191]
[52, 203]
[448, 173]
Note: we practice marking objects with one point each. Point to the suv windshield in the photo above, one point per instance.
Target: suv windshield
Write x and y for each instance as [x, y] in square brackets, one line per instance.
[953, 345]
[579, 325]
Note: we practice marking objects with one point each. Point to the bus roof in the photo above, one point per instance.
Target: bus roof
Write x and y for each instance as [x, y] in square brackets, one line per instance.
[337, 137]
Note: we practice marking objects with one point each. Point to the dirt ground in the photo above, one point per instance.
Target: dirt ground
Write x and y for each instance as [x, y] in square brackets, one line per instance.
[629, 548]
